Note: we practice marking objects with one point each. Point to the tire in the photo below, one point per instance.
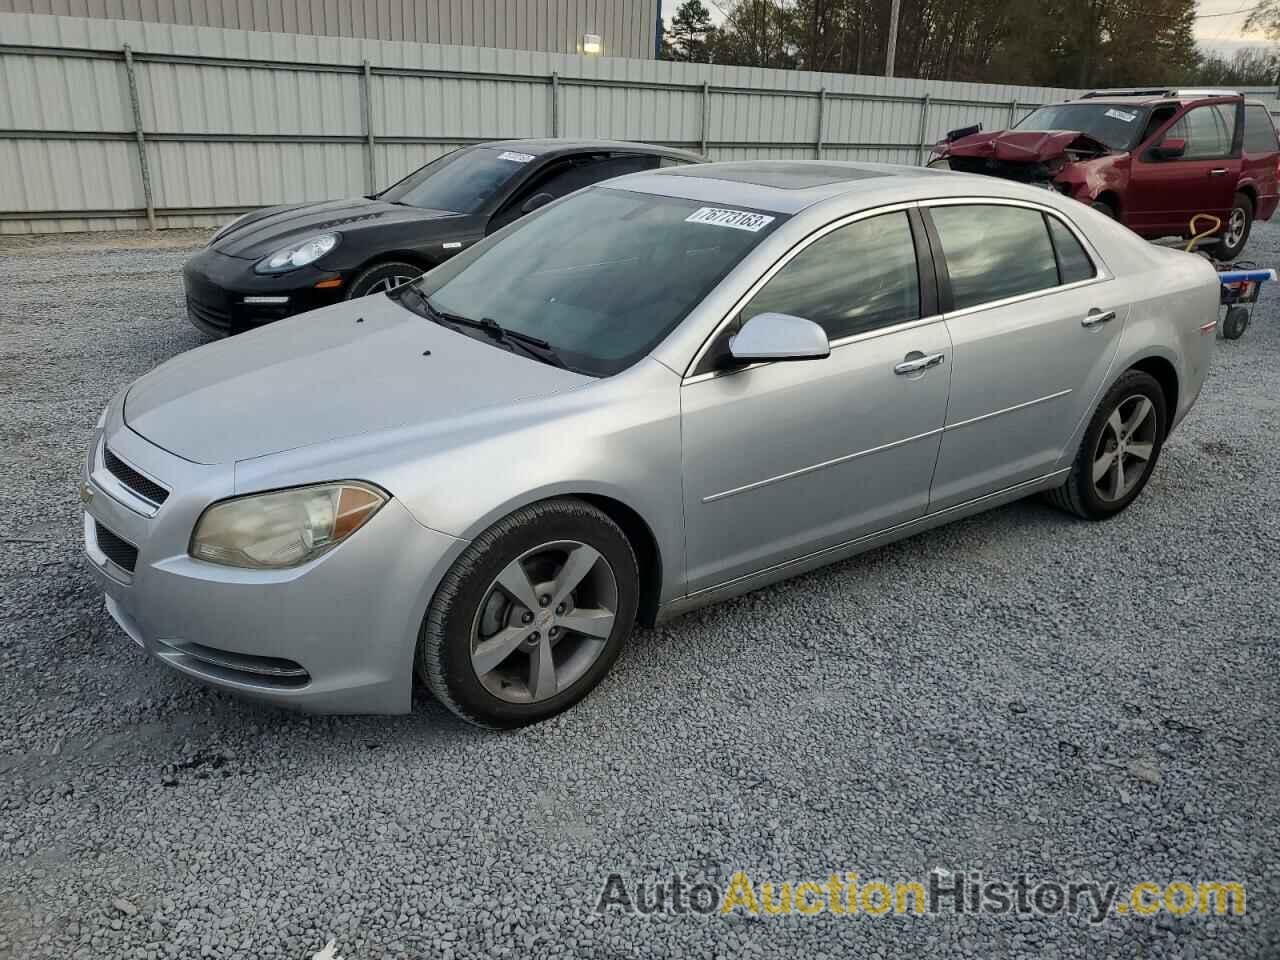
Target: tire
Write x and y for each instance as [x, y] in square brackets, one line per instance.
[1238, 227]
[472, 613]
[381, 277]
[1235, 323]
[1100, 501]
[1104, 208]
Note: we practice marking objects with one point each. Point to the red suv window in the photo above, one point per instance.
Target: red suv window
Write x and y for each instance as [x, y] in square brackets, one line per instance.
[1208, 131]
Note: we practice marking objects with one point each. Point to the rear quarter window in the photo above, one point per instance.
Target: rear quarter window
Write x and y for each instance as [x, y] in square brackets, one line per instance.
[1259, 131]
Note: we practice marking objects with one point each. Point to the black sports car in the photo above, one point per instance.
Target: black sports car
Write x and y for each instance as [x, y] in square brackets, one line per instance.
[279, 261]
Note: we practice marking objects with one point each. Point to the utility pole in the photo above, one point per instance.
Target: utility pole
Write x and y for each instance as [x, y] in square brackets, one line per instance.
[893, 38]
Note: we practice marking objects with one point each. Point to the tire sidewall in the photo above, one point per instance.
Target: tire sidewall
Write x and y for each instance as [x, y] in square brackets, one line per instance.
[448, 624]
[367, 278]
[1133, 382]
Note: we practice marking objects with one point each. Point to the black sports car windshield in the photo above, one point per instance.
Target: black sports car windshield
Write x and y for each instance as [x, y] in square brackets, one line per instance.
[602, 276]
[1116, 126]
[461, 181]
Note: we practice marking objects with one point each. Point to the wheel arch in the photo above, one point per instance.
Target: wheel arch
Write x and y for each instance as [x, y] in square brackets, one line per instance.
[638, 530]
[416, 258]
[1165, 374]
[1112, 199]
[1250, 191]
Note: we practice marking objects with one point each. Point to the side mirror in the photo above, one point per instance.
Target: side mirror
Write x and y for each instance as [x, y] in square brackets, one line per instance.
[779, 336]
[1170, 149]
[536, 201]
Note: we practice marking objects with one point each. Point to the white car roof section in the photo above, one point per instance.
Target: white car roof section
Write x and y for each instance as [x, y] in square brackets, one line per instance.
[788, 187]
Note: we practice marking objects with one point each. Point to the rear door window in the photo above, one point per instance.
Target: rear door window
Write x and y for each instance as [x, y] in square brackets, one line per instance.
[994, 252]
[1259, 131]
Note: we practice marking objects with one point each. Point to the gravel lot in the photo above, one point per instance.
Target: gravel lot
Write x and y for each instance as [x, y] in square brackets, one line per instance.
[1018, 693]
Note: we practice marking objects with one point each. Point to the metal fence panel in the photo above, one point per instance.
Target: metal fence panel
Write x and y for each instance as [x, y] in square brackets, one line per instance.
[233, 119]
[626, 26]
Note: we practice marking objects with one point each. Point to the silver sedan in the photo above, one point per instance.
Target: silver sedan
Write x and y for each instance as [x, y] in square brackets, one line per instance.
[648, 396]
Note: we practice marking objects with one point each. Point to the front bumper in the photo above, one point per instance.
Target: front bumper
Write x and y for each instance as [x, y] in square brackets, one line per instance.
[217, 285]
[337, 635]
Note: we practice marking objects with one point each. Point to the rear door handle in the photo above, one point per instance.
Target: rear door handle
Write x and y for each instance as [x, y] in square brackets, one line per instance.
[1219, 172]
[1097, 318]
[916, 361]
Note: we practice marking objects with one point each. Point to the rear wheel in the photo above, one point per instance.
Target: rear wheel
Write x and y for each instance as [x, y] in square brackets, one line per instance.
[1236, 233]
[1119, 450]
[382, 277]
[531, 616]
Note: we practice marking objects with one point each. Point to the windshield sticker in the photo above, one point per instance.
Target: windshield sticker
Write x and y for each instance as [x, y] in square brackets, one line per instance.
[736, 219]
[515, 157]
[1121, 115]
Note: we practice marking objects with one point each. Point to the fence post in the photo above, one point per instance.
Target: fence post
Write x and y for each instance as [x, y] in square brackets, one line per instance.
[924, 129]
[138, 137]
[822, 117]
[706, 114]
[555, 104]
[369, 172]
[1013, 113]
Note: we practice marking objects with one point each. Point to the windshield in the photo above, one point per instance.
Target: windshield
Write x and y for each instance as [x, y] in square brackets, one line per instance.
[1116, 126]
[603, 276]
[461, 181]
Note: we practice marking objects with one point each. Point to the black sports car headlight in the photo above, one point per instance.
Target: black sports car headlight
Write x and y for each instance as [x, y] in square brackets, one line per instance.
[297, 254]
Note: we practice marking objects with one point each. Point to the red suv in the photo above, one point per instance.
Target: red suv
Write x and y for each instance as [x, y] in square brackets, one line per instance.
[1151, 159]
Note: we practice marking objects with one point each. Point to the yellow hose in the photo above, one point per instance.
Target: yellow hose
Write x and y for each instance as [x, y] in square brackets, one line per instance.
[1203, 234]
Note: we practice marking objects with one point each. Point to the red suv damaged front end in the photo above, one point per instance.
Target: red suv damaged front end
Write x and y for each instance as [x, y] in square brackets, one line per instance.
[1151, 159]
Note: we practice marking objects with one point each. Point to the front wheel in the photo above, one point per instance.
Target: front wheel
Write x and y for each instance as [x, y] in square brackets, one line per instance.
[1119, 450]
[532, 615]
[382, 277]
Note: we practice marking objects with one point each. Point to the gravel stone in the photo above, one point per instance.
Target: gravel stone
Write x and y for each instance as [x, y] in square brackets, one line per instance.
[978, 698]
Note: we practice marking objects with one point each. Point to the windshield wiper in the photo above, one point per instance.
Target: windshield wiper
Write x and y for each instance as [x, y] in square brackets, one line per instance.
[532, 346]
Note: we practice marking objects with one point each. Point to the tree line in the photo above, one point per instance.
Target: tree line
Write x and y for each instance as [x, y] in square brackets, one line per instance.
[1060, 43]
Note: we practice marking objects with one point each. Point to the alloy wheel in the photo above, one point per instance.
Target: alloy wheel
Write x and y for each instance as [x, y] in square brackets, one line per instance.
[390, 283]
[1125, 446]
[1235, 228]
[544, 620]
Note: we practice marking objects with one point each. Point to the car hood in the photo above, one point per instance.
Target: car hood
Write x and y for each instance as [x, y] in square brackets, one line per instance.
[1030, 146]
[266, 231]
[354, 368]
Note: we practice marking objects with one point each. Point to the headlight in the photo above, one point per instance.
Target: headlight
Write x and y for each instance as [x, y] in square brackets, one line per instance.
[298, 254]
[285, 528]
[102, 418]
[226, 228]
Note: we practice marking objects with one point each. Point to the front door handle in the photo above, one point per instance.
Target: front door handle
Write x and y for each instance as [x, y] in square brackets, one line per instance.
[1097, 318]
[1218, 172]
[916, 361]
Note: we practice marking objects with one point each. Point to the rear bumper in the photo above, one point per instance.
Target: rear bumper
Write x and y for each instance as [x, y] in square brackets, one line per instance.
[337, 635]
[216, 288]
[1266, 208]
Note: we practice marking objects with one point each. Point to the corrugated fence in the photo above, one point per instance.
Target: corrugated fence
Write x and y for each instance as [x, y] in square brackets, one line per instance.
[108, 125]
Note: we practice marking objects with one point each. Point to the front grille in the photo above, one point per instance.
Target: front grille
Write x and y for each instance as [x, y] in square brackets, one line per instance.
[209, 316]
[133, 480]
[123, 554]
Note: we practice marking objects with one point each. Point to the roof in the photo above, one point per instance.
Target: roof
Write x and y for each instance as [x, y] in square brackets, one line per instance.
[783, 186]
[552, 145]
[1146, 98]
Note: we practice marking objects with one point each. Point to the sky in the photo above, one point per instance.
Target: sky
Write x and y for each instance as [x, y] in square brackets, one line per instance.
[1220, 27]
